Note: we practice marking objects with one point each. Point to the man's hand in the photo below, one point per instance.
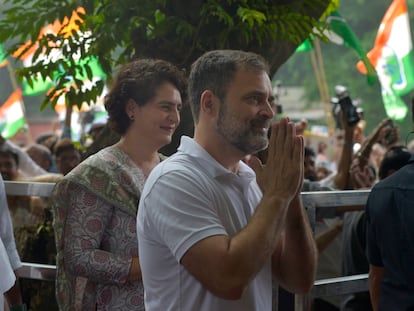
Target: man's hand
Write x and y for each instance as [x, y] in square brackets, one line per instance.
[389, 134]
[301, 127]
[361, 178]
[283, 174]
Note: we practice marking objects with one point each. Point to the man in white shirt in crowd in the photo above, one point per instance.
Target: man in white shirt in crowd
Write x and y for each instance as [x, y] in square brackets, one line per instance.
[212, 231]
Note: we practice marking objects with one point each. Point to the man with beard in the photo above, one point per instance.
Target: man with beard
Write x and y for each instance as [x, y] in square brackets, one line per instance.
[212, 231]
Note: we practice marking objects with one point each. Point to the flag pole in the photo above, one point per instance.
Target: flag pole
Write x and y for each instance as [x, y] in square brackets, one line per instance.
[317, 75]
[321, 88]
[15, 86]
[324, 87]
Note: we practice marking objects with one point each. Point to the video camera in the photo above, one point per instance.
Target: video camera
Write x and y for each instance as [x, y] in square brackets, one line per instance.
[343, 102]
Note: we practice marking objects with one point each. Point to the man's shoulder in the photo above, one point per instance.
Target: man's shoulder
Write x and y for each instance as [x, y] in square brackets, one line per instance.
[176, 167]
[402, 179]
[178, 161]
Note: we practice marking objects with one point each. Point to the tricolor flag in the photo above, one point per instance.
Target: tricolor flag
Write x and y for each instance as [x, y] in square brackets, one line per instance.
[337, 31]
[37, 86]
[25, 53]
[67, 28]
[95, 67]
[11, 115]
[3, 57]
[393, 59]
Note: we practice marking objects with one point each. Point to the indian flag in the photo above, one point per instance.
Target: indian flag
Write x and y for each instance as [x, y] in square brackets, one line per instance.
[69, 26]
[3, 57]
[338, 32]
[392, 57]
[11, 115]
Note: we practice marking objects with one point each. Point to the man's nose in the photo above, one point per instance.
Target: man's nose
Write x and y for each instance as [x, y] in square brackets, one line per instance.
[268, 111]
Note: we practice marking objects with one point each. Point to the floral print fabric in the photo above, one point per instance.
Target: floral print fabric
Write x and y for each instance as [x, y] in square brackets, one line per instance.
[95, 209]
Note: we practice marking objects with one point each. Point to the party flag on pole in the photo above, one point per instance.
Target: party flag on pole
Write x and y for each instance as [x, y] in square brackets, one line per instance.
[340, 33]
[3, 57]
[393, 59]
[305, 46]
[38, 84]
[11, 115]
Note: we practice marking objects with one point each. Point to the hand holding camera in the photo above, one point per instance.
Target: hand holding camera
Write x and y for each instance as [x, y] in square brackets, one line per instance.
[346, 105]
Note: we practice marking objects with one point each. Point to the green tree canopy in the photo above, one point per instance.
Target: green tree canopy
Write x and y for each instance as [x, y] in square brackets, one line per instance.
[175, 30]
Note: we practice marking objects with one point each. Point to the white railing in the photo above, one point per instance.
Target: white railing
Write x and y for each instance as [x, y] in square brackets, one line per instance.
[324, 203]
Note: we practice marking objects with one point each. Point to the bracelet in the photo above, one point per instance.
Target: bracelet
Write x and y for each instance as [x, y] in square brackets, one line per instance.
[21, 307]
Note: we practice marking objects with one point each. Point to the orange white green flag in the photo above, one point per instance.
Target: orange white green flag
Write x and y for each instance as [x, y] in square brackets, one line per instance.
[3, 57]
[11, 115]
[67, 28]
[393, 59]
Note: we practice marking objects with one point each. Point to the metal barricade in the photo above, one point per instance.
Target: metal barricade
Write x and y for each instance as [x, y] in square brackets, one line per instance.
[41, 189]
[328, 204]
[325, 203]
[37, 271]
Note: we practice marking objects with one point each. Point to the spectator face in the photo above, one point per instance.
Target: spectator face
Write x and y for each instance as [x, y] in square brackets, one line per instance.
[309, 168]
[95, 132]
[322, 172]
[8, 168]
[40, 160]
[67, 160]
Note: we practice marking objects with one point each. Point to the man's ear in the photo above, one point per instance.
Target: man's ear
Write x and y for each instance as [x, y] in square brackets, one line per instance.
[209, 103]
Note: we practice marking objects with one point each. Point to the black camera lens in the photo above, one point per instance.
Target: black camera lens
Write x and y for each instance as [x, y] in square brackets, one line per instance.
[347, 107]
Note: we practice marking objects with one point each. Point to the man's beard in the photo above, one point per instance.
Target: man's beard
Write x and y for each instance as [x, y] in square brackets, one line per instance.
[247, 137]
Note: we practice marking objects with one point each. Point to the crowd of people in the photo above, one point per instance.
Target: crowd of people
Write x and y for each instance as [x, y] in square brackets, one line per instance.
[218, 225]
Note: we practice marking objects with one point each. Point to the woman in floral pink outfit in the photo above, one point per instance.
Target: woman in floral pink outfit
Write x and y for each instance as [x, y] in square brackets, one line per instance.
[95, 205]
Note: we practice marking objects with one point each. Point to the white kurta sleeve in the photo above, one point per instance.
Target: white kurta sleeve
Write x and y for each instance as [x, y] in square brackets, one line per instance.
[27, 167]
[6, 230]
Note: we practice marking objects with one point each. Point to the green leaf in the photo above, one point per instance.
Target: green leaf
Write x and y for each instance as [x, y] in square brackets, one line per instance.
[159, 17]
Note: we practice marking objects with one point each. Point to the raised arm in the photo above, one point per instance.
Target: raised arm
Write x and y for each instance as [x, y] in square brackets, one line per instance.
[225, 264]
[341, 179]
[377, 134]
[295, 259]
[27, 166]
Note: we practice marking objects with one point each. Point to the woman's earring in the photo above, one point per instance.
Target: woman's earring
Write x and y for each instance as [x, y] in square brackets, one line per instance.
[131, 118]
